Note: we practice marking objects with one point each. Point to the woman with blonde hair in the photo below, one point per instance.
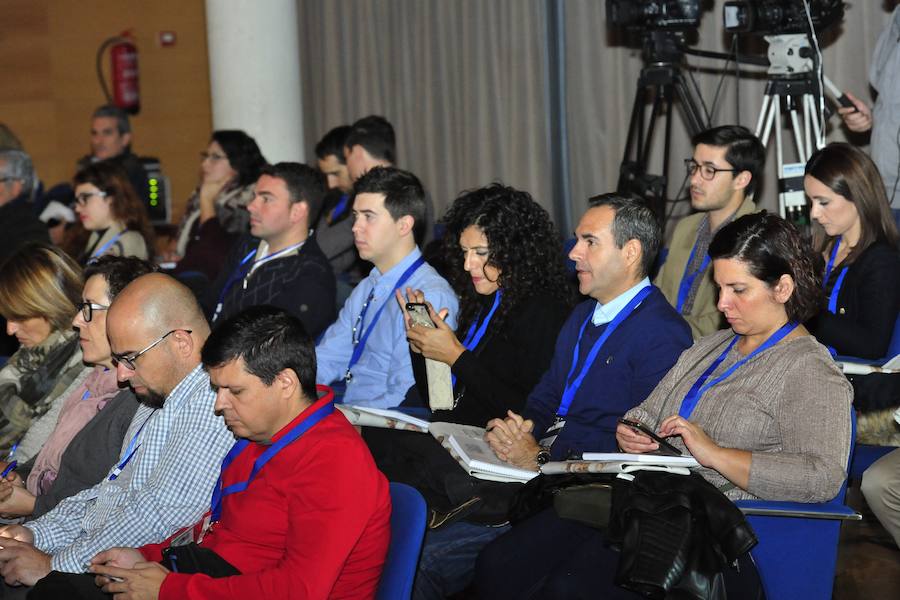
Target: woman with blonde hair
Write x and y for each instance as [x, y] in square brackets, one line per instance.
[40, 288]
[110, 209]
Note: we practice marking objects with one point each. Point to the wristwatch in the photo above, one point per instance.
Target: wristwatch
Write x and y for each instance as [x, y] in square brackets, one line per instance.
[543, 456]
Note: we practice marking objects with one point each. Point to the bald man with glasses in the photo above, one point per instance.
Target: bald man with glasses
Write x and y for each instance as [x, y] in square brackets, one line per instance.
[171, 453]
[724, 173]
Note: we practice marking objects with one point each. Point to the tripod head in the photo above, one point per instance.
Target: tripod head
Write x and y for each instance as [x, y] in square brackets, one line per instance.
[663, 47]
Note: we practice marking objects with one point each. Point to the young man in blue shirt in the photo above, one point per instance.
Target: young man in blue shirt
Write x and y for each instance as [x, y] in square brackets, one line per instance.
[366, 348]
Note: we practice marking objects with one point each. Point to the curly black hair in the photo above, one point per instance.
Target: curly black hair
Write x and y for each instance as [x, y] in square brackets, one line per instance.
[523, 243]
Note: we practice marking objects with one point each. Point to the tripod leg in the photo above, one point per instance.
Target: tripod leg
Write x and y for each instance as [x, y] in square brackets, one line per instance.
[636, 124]
[659, 96]
[763, 113]
[696, 121]
[802, 155]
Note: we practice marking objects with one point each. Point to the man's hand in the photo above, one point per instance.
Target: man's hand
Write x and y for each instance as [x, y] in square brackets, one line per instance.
[22, 562]
[124, 558]
[17, 532]
[857, 118]
[512, 441]
[142, 582]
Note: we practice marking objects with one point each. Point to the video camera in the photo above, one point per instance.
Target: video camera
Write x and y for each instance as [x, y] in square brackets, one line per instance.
[673, 15]
[780, 16]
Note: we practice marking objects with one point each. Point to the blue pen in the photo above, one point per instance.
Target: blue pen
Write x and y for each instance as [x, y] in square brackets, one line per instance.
[8, 469]
[173, 560]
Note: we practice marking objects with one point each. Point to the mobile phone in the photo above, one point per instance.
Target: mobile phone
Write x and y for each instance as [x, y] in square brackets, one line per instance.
[664, 447]
[418, 314]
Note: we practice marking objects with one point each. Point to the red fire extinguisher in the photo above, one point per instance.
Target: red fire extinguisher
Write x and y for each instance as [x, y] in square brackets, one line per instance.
[123, 71]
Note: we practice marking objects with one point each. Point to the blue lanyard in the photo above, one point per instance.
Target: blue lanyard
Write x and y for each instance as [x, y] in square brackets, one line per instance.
[831, 259]
[689, 403]
[473, 337]
[130, 450]
[687, 279]
[833, 296]
[241, 271]
[99, 251]
[361, 344]
[340, 208]
[298, 430]
[572, 385]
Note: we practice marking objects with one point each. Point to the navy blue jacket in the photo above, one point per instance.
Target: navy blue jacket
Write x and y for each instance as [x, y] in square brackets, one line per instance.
[632, 361]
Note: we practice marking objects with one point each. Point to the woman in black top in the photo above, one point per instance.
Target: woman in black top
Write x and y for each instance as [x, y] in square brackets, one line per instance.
[857, 238]
[506, 263]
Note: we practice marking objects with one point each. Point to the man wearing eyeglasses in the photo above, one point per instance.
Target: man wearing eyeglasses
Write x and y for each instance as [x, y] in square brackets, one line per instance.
[18, 222]
[171, 453]
[724, 173]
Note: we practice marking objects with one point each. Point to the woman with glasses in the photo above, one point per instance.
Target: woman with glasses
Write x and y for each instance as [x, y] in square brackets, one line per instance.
[216, 212]
[108, 207]
[84, 441]
[40, 287]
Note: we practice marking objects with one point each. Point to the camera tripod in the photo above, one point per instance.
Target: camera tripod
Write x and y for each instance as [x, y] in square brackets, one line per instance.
[662, 80]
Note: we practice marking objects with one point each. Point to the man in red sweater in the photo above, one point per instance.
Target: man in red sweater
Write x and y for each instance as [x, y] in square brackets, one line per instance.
[300, 510]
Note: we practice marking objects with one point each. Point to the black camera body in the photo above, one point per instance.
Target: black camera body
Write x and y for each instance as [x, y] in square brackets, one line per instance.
[780, 16]
[672, 15]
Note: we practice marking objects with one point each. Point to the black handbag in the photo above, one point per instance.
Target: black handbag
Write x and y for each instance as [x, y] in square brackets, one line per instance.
[191, 558]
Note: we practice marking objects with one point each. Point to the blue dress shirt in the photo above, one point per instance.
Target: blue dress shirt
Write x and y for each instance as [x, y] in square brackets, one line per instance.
[383, 374]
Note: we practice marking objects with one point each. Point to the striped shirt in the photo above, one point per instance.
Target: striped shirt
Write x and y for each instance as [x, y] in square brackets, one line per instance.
[166, 485]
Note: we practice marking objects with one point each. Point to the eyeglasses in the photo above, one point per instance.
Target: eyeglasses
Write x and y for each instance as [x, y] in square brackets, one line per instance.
[707, 172]
[129, 361]
[87, 310]
[212, 156]
[82, 198]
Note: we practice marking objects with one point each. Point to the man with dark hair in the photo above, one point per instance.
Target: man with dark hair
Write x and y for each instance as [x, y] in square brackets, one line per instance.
[334, 228]
[611, 352]
[164, 476]
[724, 173]
[111, 139]
[278, 263]
[370, 143]
[366, 347]
[299, 503]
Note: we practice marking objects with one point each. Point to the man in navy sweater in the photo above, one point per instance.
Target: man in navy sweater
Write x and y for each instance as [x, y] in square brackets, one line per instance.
[612, 351]
[610, 354]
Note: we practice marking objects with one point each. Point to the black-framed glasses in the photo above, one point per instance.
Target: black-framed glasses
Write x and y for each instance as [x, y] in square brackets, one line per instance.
[129, 361]
[87, 310]
[82, 198]
[707, 172]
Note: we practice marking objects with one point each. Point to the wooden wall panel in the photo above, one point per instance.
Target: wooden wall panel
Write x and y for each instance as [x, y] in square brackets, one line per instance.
[47, 58]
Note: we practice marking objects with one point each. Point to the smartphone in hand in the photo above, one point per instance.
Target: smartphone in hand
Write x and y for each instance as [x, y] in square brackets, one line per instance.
[665, 448]
[418, 314]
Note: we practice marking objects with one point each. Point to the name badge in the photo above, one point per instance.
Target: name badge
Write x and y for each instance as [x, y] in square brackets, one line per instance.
[184, 538]
[553, 432]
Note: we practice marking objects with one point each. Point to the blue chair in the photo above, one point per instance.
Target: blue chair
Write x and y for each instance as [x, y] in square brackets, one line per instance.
[798, 542]
[407, 532]
[892, 351]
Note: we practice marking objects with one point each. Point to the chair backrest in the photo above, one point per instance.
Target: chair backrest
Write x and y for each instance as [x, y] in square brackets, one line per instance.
[894, 345]
[407, 532]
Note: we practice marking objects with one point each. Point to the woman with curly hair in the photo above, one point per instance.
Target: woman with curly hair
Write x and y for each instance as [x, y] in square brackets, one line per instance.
[109, 208]
[216, 212]
[761, 406]
[506, 263]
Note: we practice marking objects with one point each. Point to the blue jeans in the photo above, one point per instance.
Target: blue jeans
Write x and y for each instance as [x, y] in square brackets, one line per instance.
[447, 564]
